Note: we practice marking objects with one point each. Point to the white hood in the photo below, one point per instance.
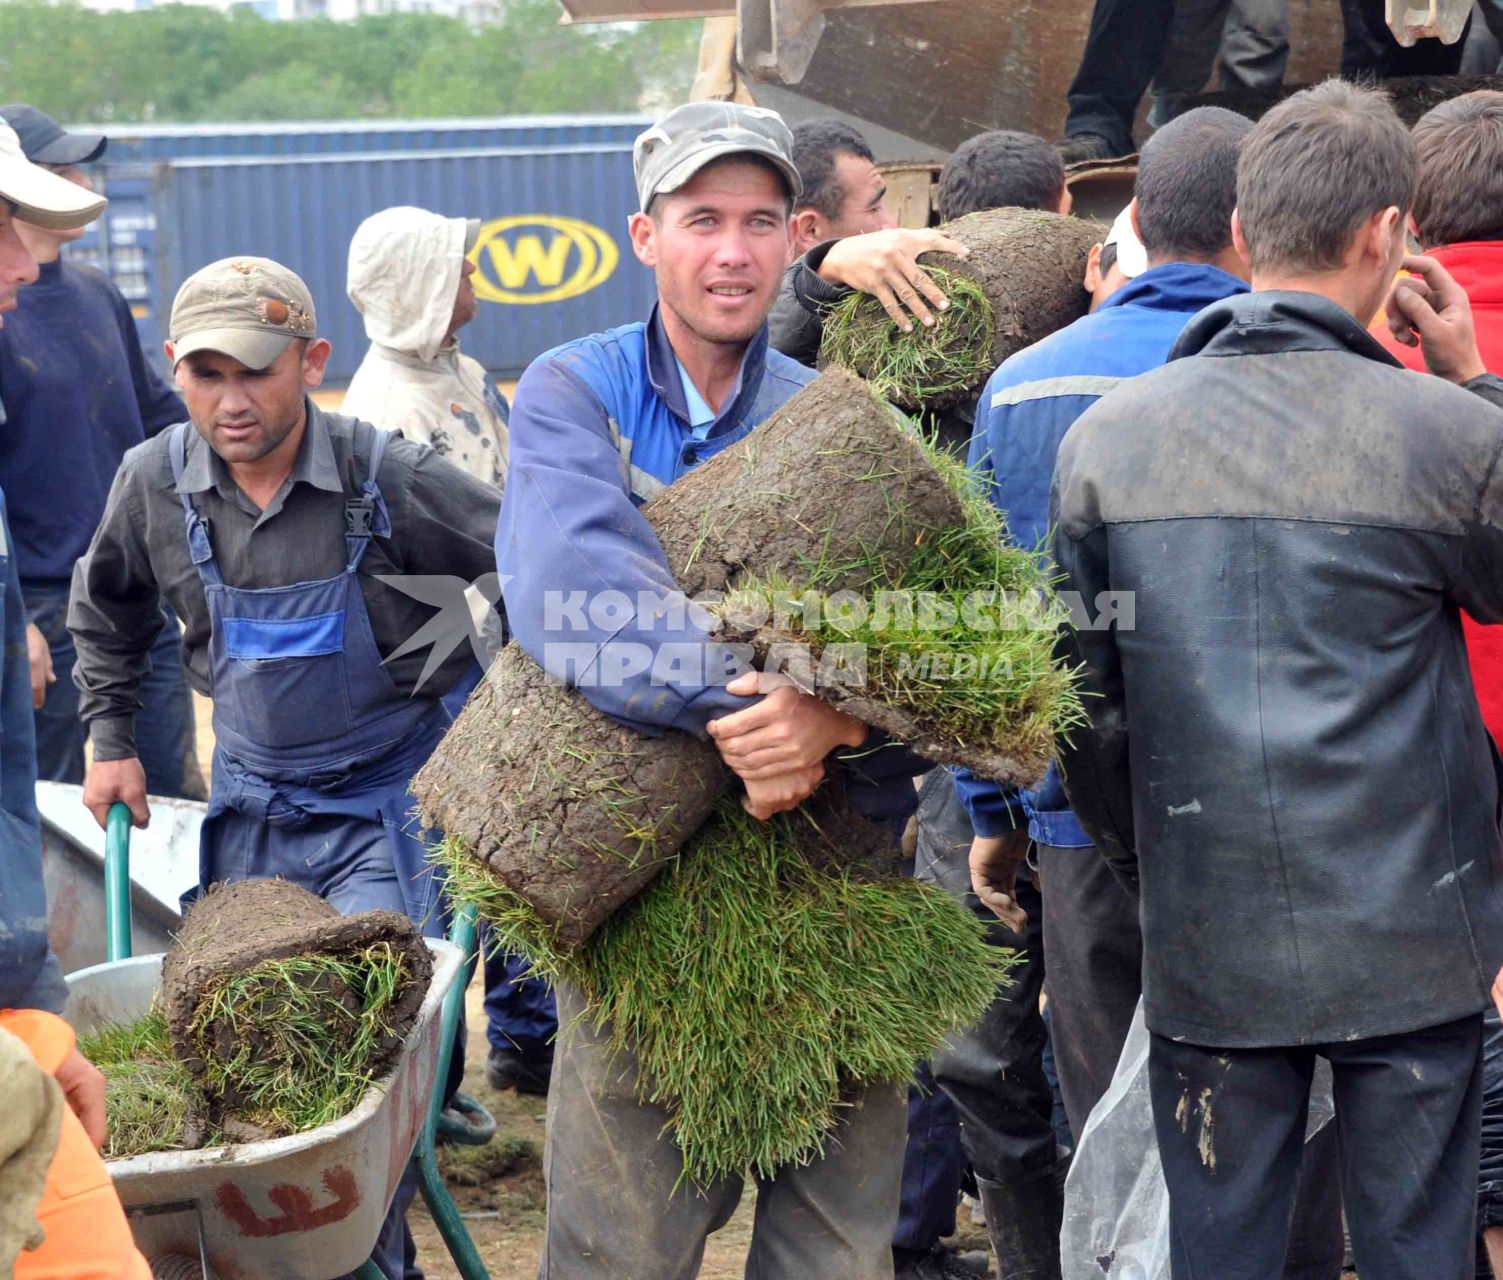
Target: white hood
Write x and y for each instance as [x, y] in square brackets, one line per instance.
[404, 276]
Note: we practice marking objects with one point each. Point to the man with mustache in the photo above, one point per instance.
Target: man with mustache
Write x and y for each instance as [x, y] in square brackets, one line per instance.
[273, 529]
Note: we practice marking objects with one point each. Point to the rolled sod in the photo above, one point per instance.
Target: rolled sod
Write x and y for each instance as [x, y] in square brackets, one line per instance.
[772, 973]
[573, 812]
[1021, 281]
[284, 1011]
[954, 658]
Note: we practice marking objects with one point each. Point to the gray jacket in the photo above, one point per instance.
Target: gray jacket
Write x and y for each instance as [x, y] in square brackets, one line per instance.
[1285, 749]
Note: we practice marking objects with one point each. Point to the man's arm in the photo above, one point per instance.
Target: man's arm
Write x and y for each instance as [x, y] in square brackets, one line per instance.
[579, 564]
[443, 518]
[1093, 759]
[115, 617]
[18, 777]
[794, 326]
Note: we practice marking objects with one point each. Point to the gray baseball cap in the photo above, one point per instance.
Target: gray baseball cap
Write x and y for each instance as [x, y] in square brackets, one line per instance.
[690, 137]
[246, 308]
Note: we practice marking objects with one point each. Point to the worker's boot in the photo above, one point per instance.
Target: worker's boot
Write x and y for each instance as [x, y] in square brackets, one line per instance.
[1023, 1218]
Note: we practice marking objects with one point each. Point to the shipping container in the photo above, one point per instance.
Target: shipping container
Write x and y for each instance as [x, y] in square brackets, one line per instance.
[553, 258]
[123, 244]
[145, 143]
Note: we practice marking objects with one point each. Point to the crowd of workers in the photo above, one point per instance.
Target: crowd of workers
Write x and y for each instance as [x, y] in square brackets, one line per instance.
[1279, 830]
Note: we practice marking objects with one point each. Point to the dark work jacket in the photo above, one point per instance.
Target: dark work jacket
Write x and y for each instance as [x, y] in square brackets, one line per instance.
[1285, 747]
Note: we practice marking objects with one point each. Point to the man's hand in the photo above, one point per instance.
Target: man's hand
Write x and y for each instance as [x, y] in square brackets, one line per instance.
[1428, 309]
[885, 265]
[82, 1084]
[786, 732]
[778, 795]
[994, 870]
[110, 780]
[39, 655]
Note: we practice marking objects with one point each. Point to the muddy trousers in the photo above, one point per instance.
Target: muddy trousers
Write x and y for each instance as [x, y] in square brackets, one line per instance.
[614, 1213]
[1231, 1124]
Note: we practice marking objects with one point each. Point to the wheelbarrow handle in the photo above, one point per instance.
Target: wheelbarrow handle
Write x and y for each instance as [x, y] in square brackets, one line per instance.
[117, 883]
[463, 932]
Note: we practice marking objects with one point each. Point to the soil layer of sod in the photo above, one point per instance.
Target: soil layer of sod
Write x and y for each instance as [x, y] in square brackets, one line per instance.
[283, 1010]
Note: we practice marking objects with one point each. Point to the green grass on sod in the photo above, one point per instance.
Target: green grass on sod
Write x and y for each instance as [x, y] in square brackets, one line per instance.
[149, 1094]
[947, 358]
[304, 1048]
[759, 991]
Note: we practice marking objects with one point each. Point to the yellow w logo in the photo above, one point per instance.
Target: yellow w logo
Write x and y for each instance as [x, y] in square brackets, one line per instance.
[540, 258]
[525, 256]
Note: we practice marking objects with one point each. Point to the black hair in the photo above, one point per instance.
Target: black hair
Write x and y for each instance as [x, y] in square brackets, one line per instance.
[816, 144]
[1187, 184]
[1000, 169]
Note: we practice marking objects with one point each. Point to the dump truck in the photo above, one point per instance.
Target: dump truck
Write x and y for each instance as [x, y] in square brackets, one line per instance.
[918, 77]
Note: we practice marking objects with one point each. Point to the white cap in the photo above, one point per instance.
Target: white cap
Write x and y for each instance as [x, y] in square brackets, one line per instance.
[41, 198]
[1132, 257]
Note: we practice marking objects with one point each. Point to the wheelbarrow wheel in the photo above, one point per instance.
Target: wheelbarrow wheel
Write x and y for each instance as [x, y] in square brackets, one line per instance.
[175, 1266]
[465, 1122]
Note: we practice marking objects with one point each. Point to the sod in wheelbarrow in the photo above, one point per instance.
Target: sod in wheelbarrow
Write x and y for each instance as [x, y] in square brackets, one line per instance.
[276, 1015]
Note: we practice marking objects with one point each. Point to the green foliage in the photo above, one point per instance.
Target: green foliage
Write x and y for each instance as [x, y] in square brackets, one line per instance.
[757, 989]
[179, 62]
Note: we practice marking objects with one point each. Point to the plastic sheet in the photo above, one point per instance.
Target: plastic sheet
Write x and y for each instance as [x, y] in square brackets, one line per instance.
[1116, 1205]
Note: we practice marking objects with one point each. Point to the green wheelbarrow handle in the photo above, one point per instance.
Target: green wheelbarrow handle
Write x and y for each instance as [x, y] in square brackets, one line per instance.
[117, 883]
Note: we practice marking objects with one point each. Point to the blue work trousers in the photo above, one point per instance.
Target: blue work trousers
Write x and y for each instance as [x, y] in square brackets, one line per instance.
[348, 864]
[520, 1012]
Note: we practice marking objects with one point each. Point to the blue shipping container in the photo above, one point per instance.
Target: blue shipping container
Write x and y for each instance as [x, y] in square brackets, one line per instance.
[144, 143]
[123, 244]
[553, 259]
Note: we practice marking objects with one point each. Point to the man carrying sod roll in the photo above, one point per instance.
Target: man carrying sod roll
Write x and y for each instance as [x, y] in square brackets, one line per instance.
[599, 426]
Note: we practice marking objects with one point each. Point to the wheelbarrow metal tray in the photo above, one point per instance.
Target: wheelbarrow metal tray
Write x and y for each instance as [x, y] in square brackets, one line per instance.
[305, 1207]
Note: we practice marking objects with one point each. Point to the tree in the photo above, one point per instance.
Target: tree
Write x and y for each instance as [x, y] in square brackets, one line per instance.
[179, 62]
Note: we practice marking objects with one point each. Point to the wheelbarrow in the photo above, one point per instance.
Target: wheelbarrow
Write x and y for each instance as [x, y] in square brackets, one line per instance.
[304, 1207]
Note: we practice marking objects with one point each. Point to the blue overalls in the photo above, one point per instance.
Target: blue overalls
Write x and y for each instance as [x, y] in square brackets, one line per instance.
[314, 746]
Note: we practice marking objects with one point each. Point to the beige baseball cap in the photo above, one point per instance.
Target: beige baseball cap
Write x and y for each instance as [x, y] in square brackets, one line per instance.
[41, 198]
[246, 308]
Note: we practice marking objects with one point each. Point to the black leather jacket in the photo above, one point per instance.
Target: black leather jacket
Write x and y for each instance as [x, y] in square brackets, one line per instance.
[1285, 746]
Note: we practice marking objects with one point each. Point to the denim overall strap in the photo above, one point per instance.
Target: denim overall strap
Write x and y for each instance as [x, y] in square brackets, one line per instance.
[199, 547]
[366, 515]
